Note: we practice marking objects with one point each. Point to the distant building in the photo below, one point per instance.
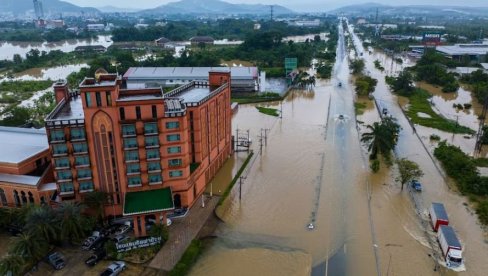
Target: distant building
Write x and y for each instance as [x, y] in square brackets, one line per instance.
[49, 24]
[431, 27]
[202, 39]
[162, 41]
[257, 26]
[26, 172]
[243, 79]
[95, 27]
[397, 37]
[127, 46]
[91, 48]
[475, 52]
[361, 21]
[38, 9]
[306, 23]
[383, 26]
[141, 26]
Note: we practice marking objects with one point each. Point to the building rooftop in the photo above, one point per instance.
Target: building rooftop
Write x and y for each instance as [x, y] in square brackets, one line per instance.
[19, 144]
[193, 73]
[464, 49]
[20, 179]
[68, 111]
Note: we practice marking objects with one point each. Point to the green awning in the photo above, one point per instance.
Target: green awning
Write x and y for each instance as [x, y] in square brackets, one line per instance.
[143, 202]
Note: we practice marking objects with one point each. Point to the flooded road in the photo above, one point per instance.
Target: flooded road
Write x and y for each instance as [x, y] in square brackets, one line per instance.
[311, 171]
[409, 259]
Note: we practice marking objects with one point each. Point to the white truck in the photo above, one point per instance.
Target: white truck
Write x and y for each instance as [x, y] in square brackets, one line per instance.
[450, 246]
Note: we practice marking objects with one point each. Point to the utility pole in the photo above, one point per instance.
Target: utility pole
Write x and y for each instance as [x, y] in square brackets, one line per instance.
[237, 139]
[281, 109]
[261, 142]
[480, 133]
[271, 12]
[266, 137]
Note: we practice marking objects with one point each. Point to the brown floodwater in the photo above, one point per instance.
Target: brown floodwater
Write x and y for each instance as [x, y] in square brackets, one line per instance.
[314, 170]
[409, 259]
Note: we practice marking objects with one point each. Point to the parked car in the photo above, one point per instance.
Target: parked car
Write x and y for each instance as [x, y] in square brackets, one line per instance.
[56, 260]
[96, 257]
[151, 222]
[122, 229]
[416, 185]
[110, 230]
[114, 269]
[98, 244]
[120, 238]
[87, 244]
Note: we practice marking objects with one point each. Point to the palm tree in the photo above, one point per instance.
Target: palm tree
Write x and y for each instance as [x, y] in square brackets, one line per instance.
[382, 138]
[11, 264]
[97, 201]
[159, 230]
[28, 246]
[70, 220]
[41, 222]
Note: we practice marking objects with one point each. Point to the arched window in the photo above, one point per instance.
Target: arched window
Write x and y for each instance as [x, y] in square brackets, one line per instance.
[24, 198]
[3, 198]
[43, 200]
[16, 198]
[31, 198]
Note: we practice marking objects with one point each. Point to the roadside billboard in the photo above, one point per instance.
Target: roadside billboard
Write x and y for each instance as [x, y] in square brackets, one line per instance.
[431, 39]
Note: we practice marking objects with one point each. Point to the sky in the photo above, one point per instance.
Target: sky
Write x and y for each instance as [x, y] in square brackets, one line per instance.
[296, 5]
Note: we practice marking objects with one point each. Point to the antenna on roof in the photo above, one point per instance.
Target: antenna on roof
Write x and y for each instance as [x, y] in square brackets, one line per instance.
[271, 10]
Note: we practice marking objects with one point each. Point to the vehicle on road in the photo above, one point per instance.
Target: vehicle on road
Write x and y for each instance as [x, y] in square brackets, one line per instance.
[56, 260]
[341, 117]
[450, 245]
[416, 185]
[438, 215]
[340, 84]
[114, 269]
[384, 111]
[96, 257]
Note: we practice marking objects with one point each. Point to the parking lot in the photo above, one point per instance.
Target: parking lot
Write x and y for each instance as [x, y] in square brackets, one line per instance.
[75, 265]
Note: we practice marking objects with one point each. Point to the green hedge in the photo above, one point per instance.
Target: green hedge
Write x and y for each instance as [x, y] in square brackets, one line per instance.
[188, 259]
[234, 180]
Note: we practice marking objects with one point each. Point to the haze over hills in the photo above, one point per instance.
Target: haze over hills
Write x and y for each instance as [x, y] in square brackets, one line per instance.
[49, 6]
[214, 7]
[370, 9]
[109, 9]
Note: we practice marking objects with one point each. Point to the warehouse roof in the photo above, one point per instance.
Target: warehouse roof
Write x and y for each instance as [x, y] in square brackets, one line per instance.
[464, 49]
[19, 144]
[150, 73]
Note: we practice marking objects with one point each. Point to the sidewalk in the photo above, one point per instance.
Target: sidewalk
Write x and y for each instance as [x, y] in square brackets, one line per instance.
[182, 232]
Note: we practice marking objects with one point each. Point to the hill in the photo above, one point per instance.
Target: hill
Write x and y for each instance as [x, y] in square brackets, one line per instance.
[214, 7]
[49, 7]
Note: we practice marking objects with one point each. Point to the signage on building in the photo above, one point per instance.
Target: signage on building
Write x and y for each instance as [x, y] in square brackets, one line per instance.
[146, 242]
[431, 39]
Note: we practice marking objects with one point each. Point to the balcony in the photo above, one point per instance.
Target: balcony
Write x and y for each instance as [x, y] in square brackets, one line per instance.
[82, 161]
[150, 129]
[133, 169]
[80, 148]
[153, 167]
[155, 179]
[86, 187]
[131, 156]
[57, 136]
[78, 138]
[60, 150]
[84, 175]
[61, 164]
[128, 131]
[66, 189]
[134, 181]
[175, 162]
[151, 142]
[130, 144]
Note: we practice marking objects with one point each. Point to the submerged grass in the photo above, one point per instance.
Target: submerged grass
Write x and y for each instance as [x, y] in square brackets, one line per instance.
[419, 103]
[268, 111]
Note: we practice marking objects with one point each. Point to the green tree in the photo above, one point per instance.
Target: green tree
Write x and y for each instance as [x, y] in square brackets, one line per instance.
[11, 264]
[71, 221]
[41, 222]
[29, 246]
[97, 201]
[408, 171]
[16, 116]
[357, 66]
[403, 84]
[382, 138]
[159, 230]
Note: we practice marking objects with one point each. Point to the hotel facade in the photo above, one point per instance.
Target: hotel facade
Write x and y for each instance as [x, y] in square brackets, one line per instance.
[150, 152]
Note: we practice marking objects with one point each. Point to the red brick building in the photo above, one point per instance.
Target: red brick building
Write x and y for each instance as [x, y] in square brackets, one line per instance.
[26, 175]
[150, 152]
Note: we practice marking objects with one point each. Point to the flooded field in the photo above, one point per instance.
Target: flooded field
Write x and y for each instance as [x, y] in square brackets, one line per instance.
[9, 49]
[52, 73]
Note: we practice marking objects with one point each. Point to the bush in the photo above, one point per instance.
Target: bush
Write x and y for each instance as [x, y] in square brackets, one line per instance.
[188, 259]
[365, 85]
[467, 106]
[375, 165]
[434, 137]
[482, 211]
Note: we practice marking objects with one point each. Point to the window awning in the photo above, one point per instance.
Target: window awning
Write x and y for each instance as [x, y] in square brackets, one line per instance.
[151, 201]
